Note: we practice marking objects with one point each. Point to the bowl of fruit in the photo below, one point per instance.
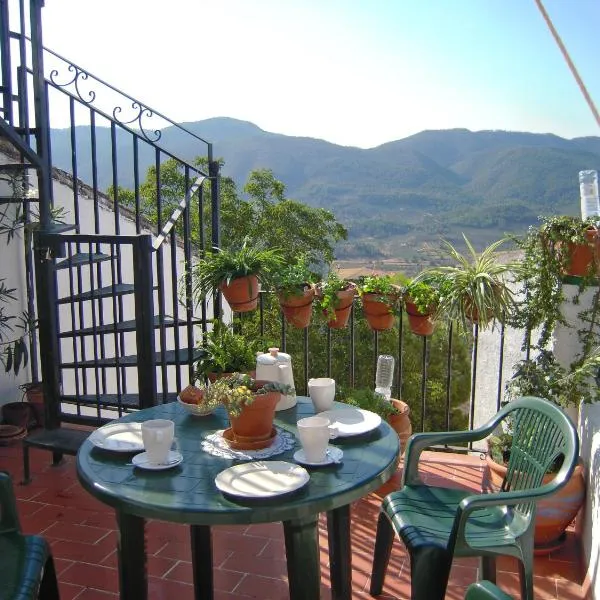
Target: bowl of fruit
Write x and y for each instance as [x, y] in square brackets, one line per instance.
[195, 401]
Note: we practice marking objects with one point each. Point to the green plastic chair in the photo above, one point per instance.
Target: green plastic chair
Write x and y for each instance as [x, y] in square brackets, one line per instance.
[438, 523]
[486, 590]
[26, 564]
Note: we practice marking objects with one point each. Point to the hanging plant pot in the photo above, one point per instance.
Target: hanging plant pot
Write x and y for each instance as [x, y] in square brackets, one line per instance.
[343, 307]
[34, 392]
[379, 311]
[401, 422]
[554, 513]
[581, 257]
[253, 428]
[297, 309]
[241, 293]
[421, 323]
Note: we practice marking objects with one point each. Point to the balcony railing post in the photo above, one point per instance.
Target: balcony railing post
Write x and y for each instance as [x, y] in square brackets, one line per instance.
[144, 317]
[215, 208]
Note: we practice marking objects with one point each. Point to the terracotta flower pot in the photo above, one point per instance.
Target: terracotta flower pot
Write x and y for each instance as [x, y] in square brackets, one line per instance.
[421, 323]
[241, 293]
[255, 422]
[343, 308]
[379, 311]
[298, 309]
[401, 422]
[34, 392]
[554, 513]
[583, 256]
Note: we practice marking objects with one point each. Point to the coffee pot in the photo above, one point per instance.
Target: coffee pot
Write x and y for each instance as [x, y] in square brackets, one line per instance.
[277, 366]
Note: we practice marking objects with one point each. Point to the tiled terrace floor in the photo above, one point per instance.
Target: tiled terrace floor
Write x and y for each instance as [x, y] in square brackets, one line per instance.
[249, 560]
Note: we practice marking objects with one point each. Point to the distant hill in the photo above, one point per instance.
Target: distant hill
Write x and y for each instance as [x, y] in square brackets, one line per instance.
[398, 196]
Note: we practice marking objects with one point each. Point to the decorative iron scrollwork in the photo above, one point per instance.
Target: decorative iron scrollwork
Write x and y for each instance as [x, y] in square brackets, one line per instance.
[78, 76]
[142, 111]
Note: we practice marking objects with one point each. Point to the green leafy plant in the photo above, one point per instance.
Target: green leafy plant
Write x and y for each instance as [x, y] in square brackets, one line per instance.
[424, 294]
[291, 279]
[475, 287]
[225, 351]
[327, 293]
[226, 264]
[540, 273]
[367, 399]
[239, 390]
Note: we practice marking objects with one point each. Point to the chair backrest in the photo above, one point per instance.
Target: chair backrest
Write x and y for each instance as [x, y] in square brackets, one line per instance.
[9, 517]
[543, 435]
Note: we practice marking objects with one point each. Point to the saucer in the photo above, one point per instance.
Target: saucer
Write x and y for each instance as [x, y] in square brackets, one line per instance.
[244, 445]
[173, 459]
[334, 455]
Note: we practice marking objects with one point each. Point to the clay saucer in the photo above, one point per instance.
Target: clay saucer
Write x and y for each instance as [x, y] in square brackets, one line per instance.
[246, 445]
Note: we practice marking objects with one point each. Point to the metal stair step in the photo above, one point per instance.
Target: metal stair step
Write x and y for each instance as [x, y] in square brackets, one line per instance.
[81, 259]
[132, 360]
[120, 289]
[15, 166]
[12, 200]
[124, 327]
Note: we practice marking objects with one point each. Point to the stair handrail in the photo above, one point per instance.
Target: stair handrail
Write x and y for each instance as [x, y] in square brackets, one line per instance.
[80, 74]
[183, 204]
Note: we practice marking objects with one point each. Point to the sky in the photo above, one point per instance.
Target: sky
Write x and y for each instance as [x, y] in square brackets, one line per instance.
[353, 72]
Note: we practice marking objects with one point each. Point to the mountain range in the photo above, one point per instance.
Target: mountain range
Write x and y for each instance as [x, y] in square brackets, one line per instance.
[395, 198]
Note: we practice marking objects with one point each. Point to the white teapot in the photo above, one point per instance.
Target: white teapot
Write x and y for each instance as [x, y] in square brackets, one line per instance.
[277, 366]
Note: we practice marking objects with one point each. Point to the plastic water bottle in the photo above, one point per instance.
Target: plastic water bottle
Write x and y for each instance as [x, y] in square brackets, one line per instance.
[384, 376]
[588, 191]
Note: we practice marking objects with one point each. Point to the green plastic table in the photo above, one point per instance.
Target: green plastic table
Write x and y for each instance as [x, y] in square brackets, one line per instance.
[188, 494]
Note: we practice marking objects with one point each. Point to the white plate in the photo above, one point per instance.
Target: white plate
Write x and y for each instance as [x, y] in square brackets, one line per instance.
[334, 455]
[352, 421]
[141, 461]
[119, 437]
[262, 479]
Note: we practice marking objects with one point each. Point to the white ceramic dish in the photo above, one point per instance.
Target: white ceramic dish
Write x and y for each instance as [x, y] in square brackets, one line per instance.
[195, 409]
[352, 421]
[118, 437]
[334, 455]
[263, 479]
[173, 459]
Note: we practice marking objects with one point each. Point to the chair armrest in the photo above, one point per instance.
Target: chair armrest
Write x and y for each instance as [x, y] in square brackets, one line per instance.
[9, 517]
[421, 441]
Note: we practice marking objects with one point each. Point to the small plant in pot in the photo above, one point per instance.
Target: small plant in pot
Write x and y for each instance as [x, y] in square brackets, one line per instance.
[543, 377]
[251, 407]
[236, 272]
[226, 352]
[380, 298]
[421, 302]
[475, 288]
[294, 286]
[335, 297]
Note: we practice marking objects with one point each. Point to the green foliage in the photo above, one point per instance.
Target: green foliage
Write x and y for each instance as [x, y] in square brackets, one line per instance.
[367, 399]
[544, 377]
[474, 285]
[377, 284]
[327, 293]
[224, 264]
[290, 279]
[239, 390]
[425, 295]
[227, 352]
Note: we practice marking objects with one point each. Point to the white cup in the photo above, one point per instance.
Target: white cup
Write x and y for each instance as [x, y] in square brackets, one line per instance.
[322, 392]
[157, 435]
[314, 434]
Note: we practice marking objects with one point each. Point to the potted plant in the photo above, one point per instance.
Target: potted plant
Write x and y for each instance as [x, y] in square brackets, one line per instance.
[251, 407]
[335, 297]
[226, 352]
[421, 300]
[236, 272]
[294, 286]
[474, 289]
[380, 298]
[560, 245]
[544, 377]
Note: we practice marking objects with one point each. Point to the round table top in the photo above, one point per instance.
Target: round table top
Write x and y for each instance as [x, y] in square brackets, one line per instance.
[188, 493]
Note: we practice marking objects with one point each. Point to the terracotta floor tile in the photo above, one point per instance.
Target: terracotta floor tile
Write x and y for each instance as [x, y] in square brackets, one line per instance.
[249, 559]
